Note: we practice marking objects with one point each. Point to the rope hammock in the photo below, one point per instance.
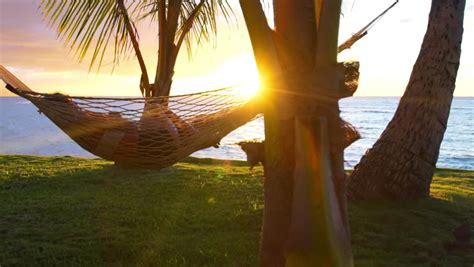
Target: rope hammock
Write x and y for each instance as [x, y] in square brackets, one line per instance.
[142, 132]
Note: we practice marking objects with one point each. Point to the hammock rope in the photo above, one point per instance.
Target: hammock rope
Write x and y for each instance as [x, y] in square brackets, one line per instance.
[141, 132]
[364, 31]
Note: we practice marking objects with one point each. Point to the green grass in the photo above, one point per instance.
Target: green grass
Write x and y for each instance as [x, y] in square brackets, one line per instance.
[70, 211]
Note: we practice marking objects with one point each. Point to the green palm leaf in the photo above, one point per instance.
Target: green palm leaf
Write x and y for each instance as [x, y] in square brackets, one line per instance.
[91, 27]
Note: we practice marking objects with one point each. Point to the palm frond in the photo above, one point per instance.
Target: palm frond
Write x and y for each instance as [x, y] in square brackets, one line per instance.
[92, 27]
[89, 27]
[197, 20]
[204, 26]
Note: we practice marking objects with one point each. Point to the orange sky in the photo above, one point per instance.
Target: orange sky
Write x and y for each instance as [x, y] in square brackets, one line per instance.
[31, 50]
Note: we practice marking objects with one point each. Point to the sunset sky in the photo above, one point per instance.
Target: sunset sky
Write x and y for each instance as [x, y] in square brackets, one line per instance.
[31, 50]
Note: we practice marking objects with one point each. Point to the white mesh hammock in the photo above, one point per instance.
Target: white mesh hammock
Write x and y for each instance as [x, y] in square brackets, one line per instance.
[142, 132]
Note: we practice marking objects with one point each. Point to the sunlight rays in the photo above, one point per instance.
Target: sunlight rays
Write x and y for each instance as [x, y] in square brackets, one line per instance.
[240, 71]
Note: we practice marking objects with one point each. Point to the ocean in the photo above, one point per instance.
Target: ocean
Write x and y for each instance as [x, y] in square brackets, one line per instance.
[24, 131]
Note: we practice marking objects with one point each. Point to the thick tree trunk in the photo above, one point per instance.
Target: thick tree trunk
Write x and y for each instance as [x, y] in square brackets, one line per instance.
[291, 233]
[401, 163]
[296, 61]
[279, 151]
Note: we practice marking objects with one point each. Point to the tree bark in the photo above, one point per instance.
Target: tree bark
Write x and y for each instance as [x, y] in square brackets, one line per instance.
[401, 163]
[279, 159]
[291, 234]
[168, 45]
[295, 40]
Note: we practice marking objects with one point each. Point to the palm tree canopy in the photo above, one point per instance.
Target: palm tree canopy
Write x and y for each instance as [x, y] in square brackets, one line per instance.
[91, 27]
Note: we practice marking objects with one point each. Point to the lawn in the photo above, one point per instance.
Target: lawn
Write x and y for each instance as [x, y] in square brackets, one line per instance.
[201, 212]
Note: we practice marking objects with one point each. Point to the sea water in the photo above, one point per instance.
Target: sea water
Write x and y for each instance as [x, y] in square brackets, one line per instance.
[24, 131]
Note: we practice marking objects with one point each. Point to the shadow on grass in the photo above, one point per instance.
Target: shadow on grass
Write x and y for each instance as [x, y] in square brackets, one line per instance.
[90, 212]
[70, 211]
[409, 233]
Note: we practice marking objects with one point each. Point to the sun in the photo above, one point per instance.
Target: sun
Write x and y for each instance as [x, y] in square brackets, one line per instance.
[240, 71]
[249, 88]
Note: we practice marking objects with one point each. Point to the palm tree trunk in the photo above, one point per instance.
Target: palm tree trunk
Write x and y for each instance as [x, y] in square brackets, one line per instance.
[287, 60]
[279, 159]
[401, 163]
[163, 52]
[168, 45]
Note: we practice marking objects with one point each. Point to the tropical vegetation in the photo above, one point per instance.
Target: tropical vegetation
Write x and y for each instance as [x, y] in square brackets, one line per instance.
[92, 27]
